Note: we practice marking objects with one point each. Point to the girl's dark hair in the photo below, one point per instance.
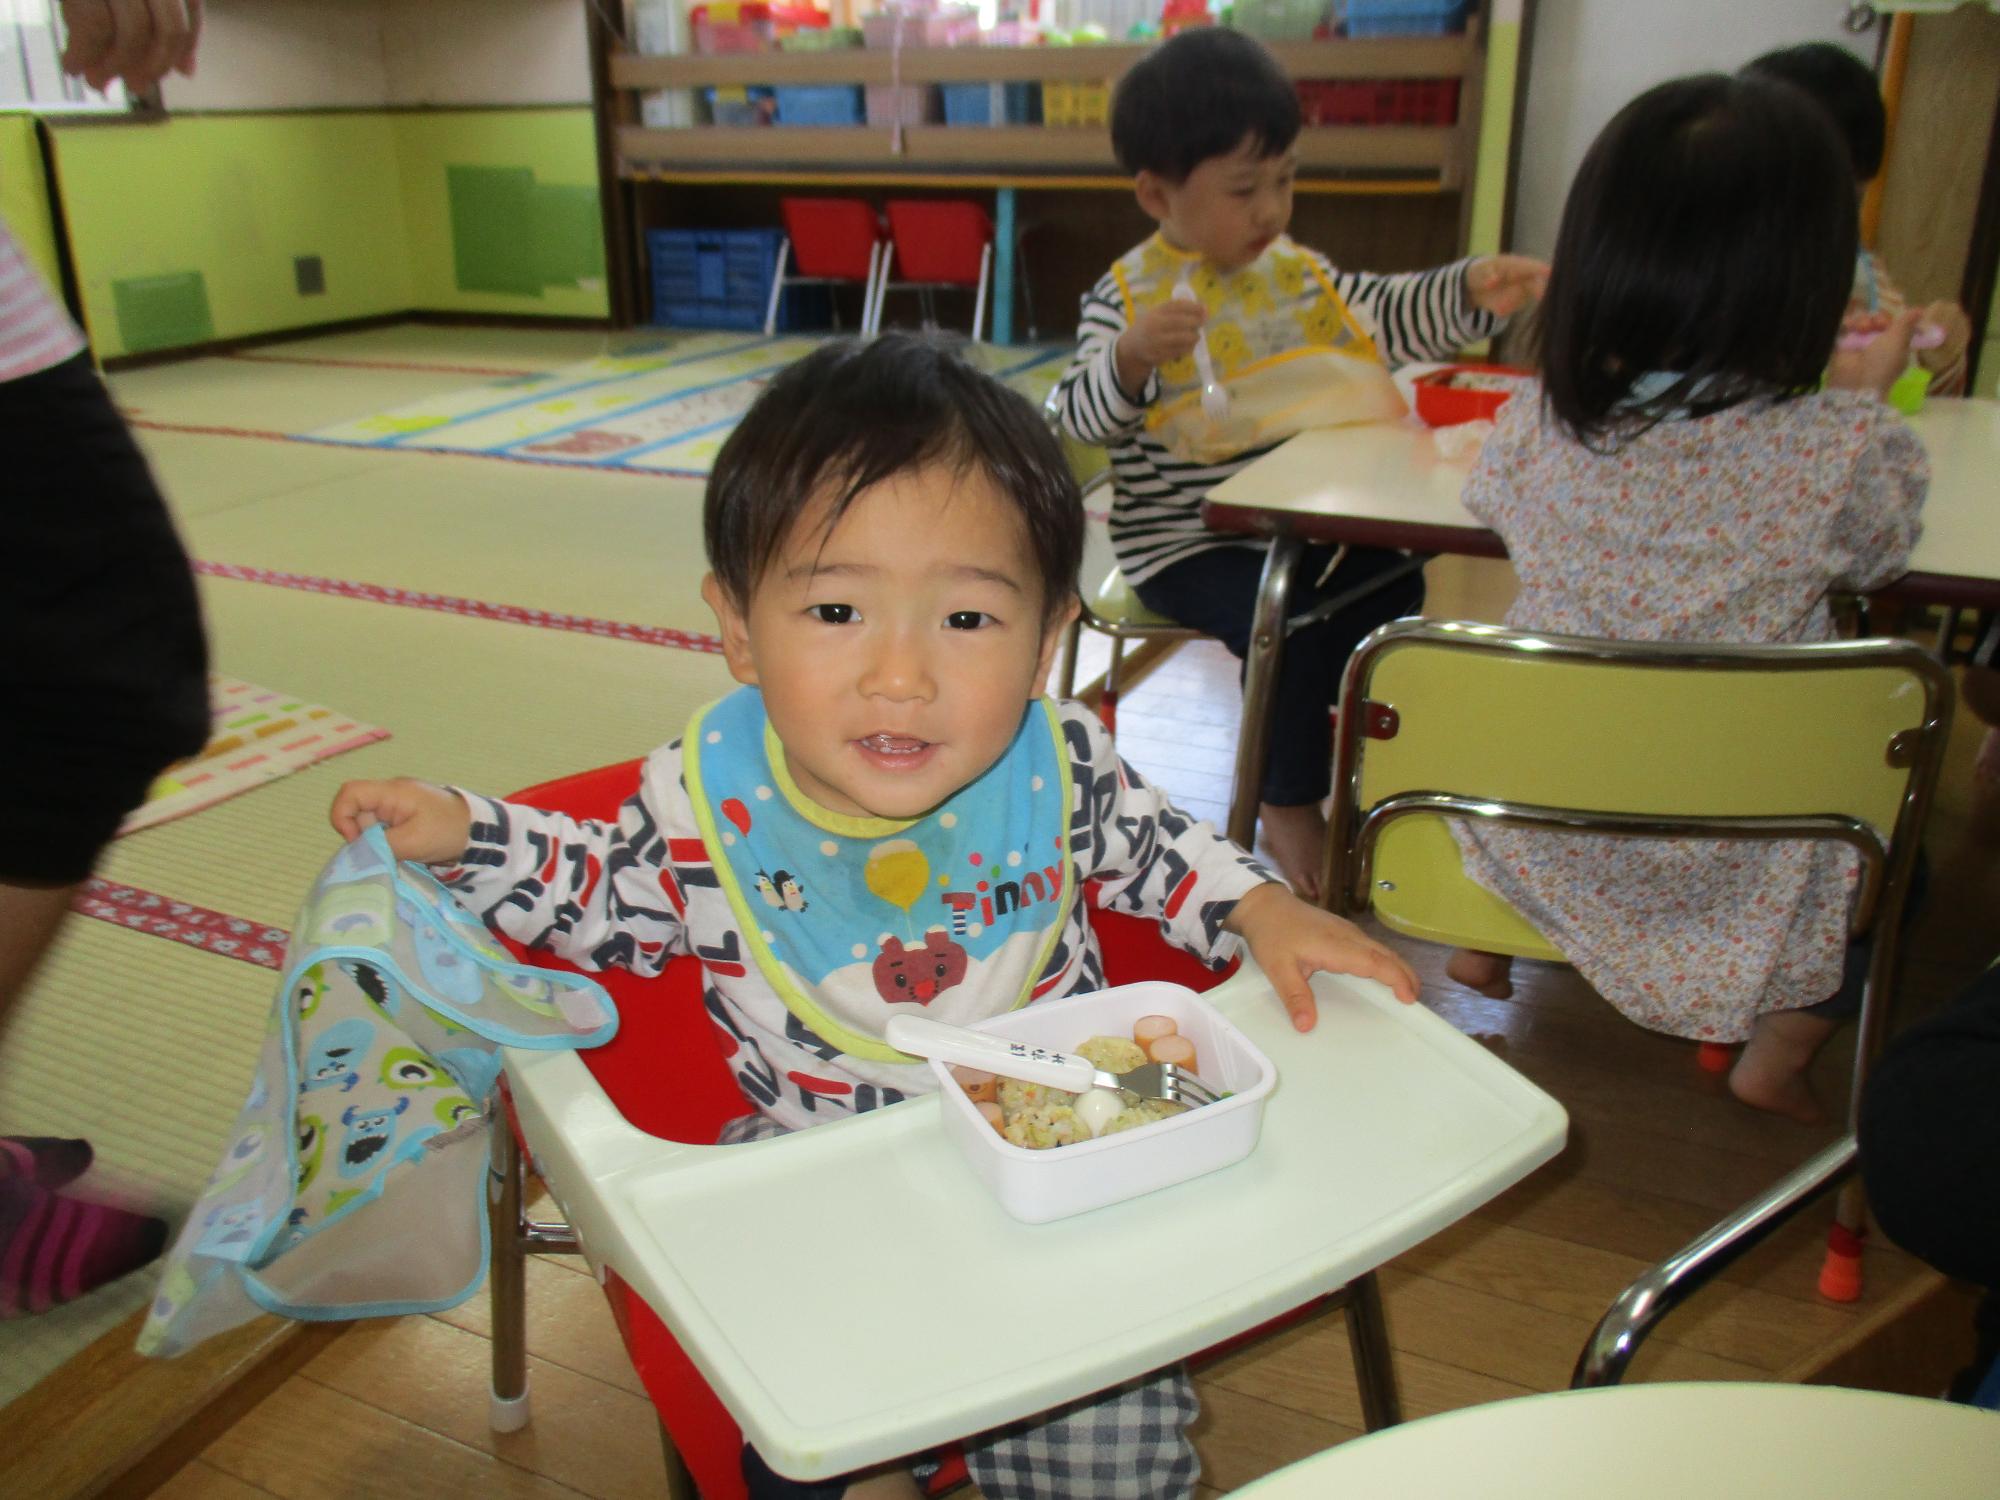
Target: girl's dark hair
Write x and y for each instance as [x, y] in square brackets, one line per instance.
[1710, 234]
[852, 414]
[1197, 95]
[1841, 84]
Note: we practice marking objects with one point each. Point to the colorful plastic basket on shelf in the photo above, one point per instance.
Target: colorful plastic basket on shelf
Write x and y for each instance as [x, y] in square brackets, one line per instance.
[1363, 18]
[1379, 101]
[741, 104]
[992, 104]
[1278, 20]
[730, 26]
[1441, 403]
[819, 104]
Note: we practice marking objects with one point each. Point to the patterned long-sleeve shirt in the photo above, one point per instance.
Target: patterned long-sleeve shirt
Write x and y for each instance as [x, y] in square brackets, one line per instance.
[1728, 527]
[640, 891]
[1156, 505]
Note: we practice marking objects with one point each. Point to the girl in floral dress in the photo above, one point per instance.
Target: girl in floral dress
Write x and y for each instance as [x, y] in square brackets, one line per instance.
[1678, 477]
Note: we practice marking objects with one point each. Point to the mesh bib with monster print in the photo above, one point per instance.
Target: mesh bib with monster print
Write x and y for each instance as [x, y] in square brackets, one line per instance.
[1284, 345]
[853, 920]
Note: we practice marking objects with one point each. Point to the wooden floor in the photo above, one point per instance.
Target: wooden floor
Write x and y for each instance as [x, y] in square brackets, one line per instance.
[1497, 1306]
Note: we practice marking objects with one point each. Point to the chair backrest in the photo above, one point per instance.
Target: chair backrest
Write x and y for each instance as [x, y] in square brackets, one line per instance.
[831, 237]
[939, 239]
[1638, 737]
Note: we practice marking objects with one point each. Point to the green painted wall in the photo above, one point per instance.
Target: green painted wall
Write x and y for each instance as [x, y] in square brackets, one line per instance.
[24, 199]
[502, 211]
[187, 231]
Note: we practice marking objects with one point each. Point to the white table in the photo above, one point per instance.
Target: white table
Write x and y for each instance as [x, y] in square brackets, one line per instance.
[853, 1294]
[1386, 485]
[1715, 1441]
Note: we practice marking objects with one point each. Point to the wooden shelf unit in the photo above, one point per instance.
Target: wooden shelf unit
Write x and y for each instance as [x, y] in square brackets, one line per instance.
[1440, 154]
[1417, 182]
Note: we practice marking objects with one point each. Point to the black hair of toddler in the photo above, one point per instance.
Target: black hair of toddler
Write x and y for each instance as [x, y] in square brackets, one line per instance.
[854, 413]
[1845, 87]
[1201, 94]
[1709, 234]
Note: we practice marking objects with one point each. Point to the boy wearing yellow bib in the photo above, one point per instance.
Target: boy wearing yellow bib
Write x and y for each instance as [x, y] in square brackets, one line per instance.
[888, 817]
[1207, 125]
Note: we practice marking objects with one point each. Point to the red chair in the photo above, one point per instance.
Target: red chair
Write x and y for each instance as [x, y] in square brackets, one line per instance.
[831, 242]
[938, 242]
[664, 1018]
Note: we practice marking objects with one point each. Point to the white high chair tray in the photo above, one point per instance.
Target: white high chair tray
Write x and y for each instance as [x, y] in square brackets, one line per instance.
[853, 1294]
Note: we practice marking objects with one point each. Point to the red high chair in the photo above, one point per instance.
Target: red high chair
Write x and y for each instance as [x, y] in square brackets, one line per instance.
[938, 242]
[662, 1021]
[831, 242]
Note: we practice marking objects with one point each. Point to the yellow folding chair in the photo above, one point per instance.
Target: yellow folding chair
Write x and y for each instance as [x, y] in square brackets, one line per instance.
[1836, 740]
[1109, 605]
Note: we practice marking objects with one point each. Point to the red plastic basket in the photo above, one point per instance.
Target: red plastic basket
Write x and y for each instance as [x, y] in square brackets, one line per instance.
[1441, 405]
[1379, 101]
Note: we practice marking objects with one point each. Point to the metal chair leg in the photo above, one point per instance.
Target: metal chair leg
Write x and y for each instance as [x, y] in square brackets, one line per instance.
[680, 1483]
[1066, 670]
[1107, 704]
[507, 1410]
[1267, 645]
[1368, 1337]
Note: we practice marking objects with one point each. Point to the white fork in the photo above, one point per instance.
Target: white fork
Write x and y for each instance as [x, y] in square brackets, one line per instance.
[1031, 1064]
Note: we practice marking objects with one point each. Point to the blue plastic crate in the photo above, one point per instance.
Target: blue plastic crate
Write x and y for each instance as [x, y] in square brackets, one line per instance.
[1403, 17]
[972, 103]
[820, 104]
[721, 278]
[752, 104]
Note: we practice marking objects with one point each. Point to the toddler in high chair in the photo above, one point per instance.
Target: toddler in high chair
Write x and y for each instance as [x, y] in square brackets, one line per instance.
[1679, 476]
[888, 817]
[1207, 123]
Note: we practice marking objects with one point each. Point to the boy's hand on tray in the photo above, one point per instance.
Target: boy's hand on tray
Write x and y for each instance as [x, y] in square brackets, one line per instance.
[1292, 941]
[424, 822]
[1504, 284]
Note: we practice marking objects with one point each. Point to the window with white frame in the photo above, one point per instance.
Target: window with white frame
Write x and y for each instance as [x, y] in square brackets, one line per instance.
[31, 75]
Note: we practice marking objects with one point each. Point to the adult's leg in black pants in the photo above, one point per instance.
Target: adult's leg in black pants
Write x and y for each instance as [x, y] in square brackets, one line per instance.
[103, 670]
[1216, 592]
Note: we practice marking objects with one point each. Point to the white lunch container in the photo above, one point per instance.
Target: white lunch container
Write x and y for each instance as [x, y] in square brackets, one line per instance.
[1036, 1186]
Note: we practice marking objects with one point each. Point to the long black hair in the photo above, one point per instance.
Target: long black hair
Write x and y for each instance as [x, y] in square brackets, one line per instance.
[1710, 234]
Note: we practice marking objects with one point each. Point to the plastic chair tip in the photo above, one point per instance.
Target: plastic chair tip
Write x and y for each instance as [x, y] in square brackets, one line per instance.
[1840, 1277]
[507, 1413]
[1714, 1057]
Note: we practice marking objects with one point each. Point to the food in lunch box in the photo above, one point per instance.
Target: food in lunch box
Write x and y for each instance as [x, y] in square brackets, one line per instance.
[1037, 1116]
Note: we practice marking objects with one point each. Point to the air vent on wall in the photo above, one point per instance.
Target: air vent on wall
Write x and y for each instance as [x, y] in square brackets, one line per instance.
[310, 271]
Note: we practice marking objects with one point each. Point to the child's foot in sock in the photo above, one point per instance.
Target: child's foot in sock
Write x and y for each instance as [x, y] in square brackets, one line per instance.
[54, 1248]
[1295, 835]
[1771, 1072]
[1489, 973]
[46, 1160]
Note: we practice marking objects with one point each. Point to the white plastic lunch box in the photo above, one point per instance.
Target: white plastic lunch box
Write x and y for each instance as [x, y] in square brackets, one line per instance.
[1036, 1186]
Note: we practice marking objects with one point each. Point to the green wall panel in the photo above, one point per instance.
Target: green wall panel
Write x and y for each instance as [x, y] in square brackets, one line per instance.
[523, 180]
[162, 312]
[24, 199]
[492, 249]
[233, 199]
[452, 211]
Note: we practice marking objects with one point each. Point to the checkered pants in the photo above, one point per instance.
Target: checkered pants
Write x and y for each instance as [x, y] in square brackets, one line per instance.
[1127, 1443]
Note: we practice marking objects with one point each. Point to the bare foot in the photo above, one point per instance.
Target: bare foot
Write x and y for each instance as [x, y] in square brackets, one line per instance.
[1771, 1073]
[1296, 837]
[1488, 973]
[1986, 763]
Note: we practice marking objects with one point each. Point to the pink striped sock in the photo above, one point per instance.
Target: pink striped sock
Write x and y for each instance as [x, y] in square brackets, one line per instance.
[54, 1248]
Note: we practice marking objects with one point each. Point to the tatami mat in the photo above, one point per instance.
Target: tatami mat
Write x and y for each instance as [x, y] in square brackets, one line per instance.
[610, 546]
[264, 396]
[501, 349]
[202, 473]
[145, 1047]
